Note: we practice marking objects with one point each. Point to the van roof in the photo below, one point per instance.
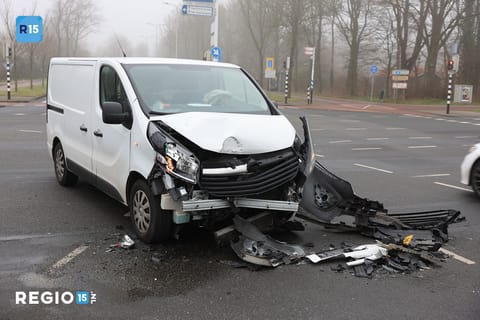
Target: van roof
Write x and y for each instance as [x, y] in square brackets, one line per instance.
[139, 60]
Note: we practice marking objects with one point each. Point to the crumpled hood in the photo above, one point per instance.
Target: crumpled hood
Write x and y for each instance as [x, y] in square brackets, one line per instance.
[232, 133]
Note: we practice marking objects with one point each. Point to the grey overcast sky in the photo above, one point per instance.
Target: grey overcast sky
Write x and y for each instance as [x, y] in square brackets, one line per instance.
[133, 19]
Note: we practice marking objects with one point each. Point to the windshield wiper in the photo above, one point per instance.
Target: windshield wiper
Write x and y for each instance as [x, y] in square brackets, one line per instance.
[157, 113]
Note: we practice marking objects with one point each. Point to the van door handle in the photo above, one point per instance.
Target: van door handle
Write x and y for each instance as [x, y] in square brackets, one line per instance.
[83, 128]
[98, 133]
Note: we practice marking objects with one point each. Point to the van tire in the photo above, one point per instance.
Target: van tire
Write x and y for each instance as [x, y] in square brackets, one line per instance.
[64, 176]
[150, 222]
[474, 178]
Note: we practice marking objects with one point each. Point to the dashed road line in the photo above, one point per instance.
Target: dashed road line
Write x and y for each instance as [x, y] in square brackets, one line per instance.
[452, 186]
[377, 139]
[394, 128]
[420, 138]
[19, 114]
[457, 256]
[347, 120]
[465, 122]
[432, 175]
[30, 131]
[366, 149]
[453, 121]
[339, 141]
[355, 129]
[69, 257]
[421, 147]
[465, 137]
[372, 168]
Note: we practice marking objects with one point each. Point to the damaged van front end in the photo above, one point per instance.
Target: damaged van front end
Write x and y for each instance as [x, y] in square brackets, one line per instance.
[214, 166]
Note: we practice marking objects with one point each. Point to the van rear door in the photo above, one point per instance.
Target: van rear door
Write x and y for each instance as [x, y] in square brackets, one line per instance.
[71, 90]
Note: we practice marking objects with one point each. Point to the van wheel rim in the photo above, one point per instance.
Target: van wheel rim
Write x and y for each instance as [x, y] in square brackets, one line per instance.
[60, 163]
[141, 211]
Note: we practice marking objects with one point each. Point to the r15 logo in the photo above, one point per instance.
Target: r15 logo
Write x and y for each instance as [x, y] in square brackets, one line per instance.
[29, 29]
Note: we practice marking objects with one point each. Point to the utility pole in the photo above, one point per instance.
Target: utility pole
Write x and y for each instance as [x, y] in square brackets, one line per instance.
[287, 70]
[214, 31]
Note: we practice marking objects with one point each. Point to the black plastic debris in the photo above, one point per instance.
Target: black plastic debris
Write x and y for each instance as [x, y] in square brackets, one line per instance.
[329, 200]
[255, 247]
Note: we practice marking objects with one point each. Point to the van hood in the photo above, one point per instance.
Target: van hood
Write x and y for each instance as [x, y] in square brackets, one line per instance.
[232, 133]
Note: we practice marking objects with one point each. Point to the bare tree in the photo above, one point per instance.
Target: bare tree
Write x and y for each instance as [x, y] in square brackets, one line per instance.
[293, 13]
[352, 24]
[444, 17]
[258, 16]
[72, 21]
[313, 25]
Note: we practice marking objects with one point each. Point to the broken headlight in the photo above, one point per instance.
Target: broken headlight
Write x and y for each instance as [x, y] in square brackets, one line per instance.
[177, 160]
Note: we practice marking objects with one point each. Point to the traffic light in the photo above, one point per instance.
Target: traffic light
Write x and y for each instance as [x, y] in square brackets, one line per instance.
[451, 64]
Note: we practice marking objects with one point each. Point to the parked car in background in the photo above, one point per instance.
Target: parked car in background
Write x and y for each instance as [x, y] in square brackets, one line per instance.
[470, 169]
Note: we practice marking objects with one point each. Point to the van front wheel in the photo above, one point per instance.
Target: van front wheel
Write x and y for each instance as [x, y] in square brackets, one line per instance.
[150, 222]
[64, 176]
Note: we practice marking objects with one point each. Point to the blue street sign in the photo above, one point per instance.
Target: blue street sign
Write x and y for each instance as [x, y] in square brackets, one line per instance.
[29, 29]
[217, 54]
[184, 9]
[373, 69]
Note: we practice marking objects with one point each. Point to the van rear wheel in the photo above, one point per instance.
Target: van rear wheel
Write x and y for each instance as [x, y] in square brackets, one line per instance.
[64, 176]
[150, 222]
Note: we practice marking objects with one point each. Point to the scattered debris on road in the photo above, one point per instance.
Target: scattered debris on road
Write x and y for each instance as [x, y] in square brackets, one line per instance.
[125, 243]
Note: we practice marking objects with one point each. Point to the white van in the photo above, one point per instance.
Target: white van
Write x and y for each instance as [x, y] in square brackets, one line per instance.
[178, 141]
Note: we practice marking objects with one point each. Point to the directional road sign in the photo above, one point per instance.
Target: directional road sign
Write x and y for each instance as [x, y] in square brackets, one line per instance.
[373, 69]
[205, 11]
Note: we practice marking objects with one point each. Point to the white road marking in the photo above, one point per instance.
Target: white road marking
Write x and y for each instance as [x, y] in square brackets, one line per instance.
[453, 187]
[421, 147]
[347, 120]
[395, 128]
[30, 131]
[465, 137]
[420, 138]
[465, 122]
[428, 117]
[476, 124]
[456, 256]
[340, 141]
[355, 129]
[377, 139]
[69, 257]
[19, 114]
[452, 121]
[365, 149]
[440, 119]
[320, 155]
[432, 175]
[476, 119]
[372, 168]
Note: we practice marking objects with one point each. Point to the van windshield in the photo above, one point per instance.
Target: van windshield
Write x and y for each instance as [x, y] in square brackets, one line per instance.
[165, 89]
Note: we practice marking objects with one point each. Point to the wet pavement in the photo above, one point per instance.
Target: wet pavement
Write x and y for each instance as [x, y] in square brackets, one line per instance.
[193, 278]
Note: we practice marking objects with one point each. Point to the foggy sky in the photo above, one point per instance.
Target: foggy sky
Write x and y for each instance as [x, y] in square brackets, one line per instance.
[133, 19]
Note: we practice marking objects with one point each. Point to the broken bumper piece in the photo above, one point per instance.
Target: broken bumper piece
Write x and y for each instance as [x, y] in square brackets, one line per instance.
[257, 248]
[330, 200]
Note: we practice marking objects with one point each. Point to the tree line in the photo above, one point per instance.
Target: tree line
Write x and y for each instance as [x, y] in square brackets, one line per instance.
[349, 37]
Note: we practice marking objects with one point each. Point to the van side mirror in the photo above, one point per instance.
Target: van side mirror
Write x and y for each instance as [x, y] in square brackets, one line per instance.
[113, 113]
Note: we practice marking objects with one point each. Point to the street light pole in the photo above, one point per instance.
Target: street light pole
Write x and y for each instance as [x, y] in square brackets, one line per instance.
[177, 23]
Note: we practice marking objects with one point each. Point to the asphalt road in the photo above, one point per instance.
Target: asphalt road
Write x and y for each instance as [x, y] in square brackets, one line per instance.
[409, 163]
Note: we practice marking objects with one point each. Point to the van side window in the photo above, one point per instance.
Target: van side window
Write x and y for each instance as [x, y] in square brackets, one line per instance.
[111, 88]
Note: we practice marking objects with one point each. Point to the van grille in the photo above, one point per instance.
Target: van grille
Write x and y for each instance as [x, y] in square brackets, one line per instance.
[266, 178]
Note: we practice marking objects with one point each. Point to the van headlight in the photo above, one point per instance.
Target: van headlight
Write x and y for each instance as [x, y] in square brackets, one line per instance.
[177, 160]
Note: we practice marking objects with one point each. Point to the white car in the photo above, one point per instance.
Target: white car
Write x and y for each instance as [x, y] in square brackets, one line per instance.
[178, 141]
[470, 169]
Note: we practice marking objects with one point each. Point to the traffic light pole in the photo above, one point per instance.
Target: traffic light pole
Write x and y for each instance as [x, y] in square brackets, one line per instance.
[449, 92]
